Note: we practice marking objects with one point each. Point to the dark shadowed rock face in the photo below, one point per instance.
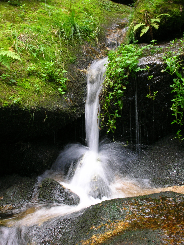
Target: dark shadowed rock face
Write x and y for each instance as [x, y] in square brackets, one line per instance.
[154, 115]
[50, 191]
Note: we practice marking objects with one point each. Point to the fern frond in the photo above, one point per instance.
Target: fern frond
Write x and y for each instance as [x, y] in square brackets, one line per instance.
[155, 20]
[144, 30]
[138, 26]
[10, 54]
[156, 26]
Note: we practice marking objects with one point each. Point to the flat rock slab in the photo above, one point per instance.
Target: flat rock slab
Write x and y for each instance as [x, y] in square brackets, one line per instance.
[152, 219]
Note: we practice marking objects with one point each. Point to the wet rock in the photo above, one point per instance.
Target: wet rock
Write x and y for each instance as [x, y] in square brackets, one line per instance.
[98, 188]
[15, 194]
[116, 35]
[152, 219]
[50, 191]
[162, 163]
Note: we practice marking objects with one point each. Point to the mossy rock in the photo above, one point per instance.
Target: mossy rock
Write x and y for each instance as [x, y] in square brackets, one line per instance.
[168, 15]
[50, 191]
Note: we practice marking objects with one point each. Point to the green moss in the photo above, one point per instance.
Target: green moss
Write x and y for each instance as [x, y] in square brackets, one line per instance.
[48, 36]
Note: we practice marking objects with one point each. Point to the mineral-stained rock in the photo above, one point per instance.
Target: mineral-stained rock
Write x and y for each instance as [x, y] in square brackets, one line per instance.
[151, 219]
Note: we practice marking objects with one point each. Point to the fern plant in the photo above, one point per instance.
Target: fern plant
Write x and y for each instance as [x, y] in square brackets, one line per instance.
[149, 24]
[7, 56]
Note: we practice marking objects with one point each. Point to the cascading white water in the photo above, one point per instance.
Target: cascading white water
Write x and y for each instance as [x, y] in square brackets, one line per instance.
[95, 78]
[90, 178]
[93, 169]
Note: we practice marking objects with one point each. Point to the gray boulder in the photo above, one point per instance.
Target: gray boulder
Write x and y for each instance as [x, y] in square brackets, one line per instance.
[50, 191]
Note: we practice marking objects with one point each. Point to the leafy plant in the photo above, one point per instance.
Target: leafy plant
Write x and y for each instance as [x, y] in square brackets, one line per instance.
[52, 73]
[70, 27]
[175, 68]
[149, 24]
[152, 96]
[122, 64]
[74, 27]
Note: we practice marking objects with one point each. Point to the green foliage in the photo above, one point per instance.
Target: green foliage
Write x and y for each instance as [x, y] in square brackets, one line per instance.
[75, 27]
[158, 19]
[51, 73]
[152, 96]
[6, 57]
[176, 68]
[122, 64]
[15, 2]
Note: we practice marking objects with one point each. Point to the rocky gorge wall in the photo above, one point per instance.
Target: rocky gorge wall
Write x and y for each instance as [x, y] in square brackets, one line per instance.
[30, 140]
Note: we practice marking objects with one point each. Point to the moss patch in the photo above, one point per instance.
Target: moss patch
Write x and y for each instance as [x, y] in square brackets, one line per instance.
[48, 36]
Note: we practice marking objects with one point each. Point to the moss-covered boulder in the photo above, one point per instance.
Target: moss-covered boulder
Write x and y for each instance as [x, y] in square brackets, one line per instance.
[145, 113]
[50, 191]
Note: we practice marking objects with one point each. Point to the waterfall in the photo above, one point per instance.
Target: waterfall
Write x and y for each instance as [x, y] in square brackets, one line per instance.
[90, 175]
[91, 170]
[95, 78]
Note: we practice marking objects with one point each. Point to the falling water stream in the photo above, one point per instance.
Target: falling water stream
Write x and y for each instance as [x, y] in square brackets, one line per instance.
[96, 172]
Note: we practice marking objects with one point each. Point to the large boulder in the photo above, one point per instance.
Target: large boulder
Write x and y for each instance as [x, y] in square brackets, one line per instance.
[145, 118]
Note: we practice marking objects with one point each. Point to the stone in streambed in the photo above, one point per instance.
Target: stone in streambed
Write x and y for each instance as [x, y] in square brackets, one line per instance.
[50, 191]
[99, 188]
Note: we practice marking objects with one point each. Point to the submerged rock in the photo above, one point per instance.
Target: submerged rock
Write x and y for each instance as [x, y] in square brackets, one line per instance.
[50, 191]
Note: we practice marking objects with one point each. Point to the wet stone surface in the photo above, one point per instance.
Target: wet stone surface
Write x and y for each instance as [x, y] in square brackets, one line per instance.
[152, 219]
[15, 194]
[50, 191]
[162, 163]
